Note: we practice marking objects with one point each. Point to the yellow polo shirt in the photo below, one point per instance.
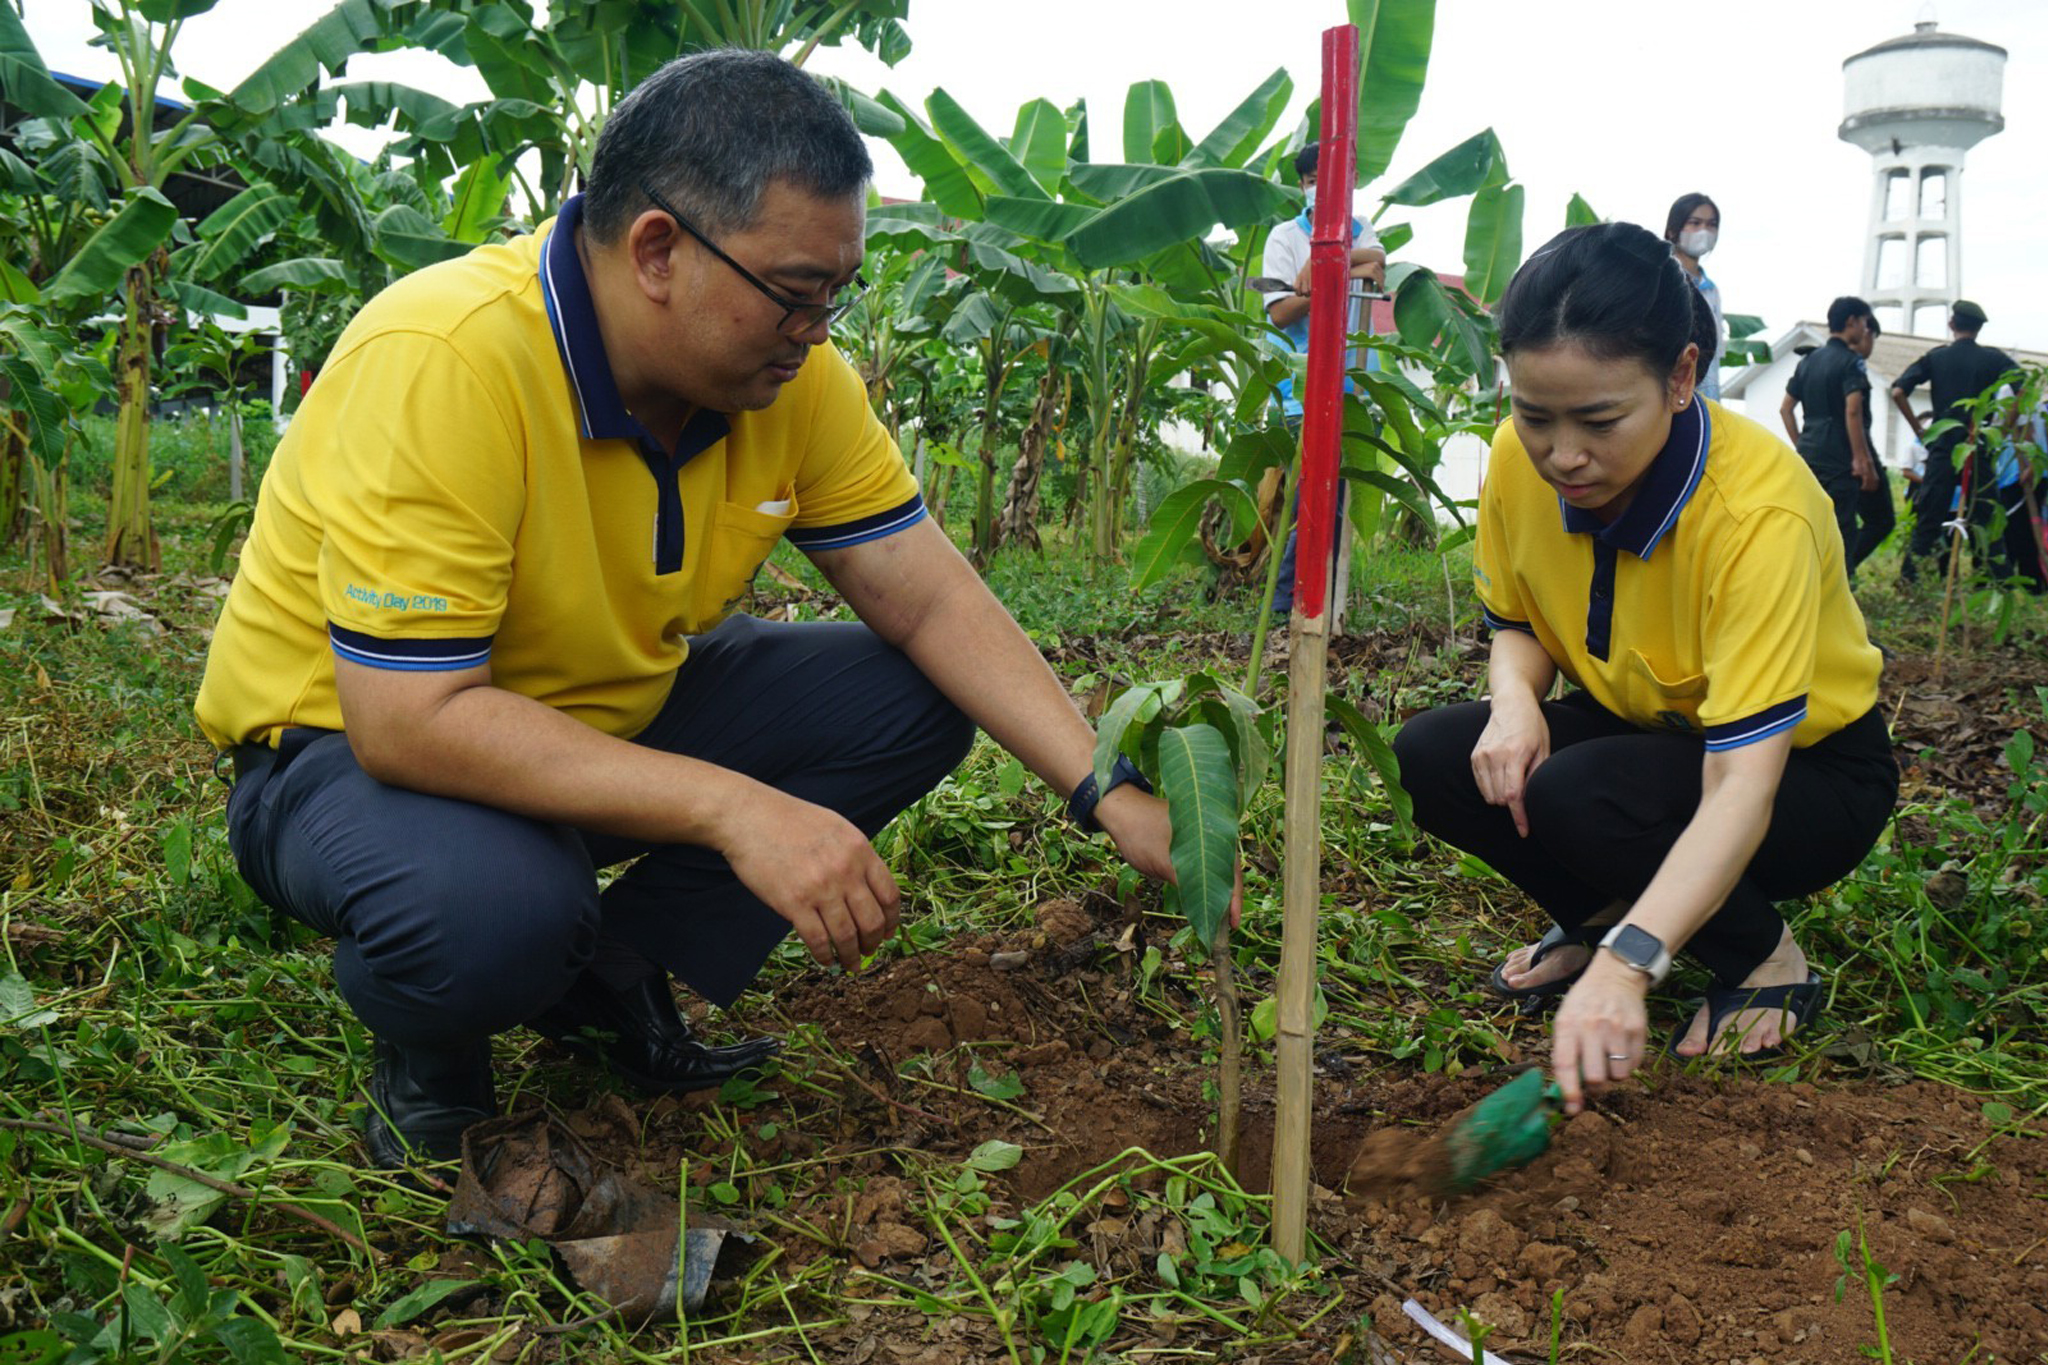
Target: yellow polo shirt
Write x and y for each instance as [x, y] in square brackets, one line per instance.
[1716, 605]
[463, 485]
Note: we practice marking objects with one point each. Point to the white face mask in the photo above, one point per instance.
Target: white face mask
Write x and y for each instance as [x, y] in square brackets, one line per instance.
[1698, 242]
[1310, 195]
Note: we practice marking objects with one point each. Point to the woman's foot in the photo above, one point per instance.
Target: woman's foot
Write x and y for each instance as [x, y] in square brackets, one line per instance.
[1755, 1030]
[1561, 963]
[1524, 971]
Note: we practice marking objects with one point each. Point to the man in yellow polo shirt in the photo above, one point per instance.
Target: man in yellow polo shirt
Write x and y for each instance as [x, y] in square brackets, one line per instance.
[480, 645]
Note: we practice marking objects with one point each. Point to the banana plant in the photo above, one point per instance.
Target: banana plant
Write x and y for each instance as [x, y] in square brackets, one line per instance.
[46, 380]
[211, 359]
[122, 136]
[1039, 196]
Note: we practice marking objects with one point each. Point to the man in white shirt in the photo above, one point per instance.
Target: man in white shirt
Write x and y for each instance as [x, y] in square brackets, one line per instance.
[1287, 258]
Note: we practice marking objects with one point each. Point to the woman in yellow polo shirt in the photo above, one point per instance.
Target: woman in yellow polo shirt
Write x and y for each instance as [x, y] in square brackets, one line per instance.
[1719, 749]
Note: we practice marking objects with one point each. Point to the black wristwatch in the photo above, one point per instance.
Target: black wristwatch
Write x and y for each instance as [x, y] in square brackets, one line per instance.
[1081, 805]
[1640, 949]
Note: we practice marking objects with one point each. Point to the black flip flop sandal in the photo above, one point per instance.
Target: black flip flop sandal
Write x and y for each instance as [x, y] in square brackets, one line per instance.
[1529, 999]
[1801, 1000]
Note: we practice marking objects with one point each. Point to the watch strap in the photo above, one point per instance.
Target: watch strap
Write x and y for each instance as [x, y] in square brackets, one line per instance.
[1081, 805]
[1640, 949]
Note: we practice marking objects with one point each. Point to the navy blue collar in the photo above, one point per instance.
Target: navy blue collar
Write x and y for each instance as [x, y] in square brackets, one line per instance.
[573, 317]
[603, 414]
[1667, 486]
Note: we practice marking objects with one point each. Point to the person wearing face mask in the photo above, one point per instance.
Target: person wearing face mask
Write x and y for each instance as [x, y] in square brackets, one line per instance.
[1720, 749]
[1693, 227]
[1287, 259]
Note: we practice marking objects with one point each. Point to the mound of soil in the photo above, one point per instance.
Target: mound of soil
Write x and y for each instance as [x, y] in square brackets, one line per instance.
[1684, 1218]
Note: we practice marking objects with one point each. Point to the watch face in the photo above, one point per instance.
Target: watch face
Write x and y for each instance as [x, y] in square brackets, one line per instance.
[1637, 947]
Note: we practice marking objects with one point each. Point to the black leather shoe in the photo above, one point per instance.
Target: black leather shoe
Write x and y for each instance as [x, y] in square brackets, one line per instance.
[638, 1033]
[422, 1098]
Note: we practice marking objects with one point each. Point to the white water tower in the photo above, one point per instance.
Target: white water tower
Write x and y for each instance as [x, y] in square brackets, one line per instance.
[1918, 103]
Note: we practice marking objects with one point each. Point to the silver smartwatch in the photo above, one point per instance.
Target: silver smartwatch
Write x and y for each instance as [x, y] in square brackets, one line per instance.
[1640, 949]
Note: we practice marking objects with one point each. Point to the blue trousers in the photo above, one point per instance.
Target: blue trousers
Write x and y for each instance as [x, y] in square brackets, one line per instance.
[453, 920]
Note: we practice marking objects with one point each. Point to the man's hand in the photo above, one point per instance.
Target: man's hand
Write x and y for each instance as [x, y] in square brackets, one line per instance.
[1515, 741]
[815, 869]
[1369, 263]
[1603, 1029]
[1143, 831]
[1865, 471]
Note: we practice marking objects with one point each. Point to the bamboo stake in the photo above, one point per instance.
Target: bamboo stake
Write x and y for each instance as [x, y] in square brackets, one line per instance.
[1309, 641]
[1302, 889]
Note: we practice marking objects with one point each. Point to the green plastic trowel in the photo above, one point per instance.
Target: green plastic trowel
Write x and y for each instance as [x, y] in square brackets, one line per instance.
[1509, 1128]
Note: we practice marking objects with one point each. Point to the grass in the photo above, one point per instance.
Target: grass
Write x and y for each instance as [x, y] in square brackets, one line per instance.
[147, 997]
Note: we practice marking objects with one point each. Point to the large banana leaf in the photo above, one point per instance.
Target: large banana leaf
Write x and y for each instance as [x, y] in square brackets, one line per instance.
[907, 227]
[198, 299]
[1425, 316]
[139, 227]
[1040, 142]
[78, 172]
[1463, 169]
[24, 81]
[868, 116]
[1493, 241]
[946, 182]
[42, 413]
[510, 55]
[371, 104]
[1245, 127]
[986, 157]
[172, 11]
[479, 200]
[312, 274]
[1393, 49]
[1199, 782]
[352, 26]
[1149, 120]
[1183, 207]
[1106, 182]
[1043, 220]
[16, 287]
[233, 231]
[1579, 213]
[410, 240]
[1012, 277]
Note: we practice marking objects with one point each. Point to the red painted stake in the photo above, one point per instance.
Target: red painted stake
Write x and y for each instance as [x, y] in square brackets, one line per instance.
[1322, 407]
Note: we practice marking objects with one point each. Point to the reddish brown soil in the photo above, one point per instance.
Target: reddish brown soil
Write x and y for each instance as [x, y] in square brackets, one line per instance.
[1686, 1218]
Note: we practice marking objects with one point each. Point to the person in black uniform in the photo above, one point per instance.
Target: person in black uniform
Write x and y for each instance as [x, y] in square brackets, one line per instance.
[1961, 370]
[1832, 390]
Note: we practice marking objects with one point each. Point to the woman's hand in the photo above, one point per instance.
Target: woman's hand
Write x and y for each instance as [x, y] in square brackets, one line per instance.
[1514, 742]
[1603, 1029]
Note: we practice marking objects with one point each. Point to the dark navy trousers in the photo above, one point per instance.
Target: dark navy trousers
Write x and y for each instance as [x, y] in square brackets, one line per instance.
[453, 920]
[1608, 804]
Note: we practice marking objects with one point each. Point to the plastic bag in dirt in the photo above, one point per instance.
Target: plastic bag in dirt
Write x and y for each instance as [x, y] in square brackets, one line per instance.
[526, 1175]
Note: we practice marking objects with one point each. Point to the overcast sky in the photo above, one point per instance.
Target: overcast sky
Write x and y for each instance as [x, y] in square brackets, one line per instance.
[1626, 102]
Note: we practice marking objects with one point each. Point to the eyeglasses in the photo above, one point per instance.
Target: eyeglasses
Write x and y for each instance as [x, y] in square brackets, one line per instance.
[797, 316]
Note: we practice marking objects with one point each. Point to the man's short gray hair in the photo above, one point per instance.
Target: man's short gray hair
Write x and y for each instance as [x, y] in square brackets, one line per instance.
[710, 132]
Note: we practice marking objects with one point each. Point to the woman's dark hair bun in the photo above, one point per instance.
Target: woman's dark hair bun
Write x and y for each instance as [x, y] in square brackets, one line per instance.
[1613, 289]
